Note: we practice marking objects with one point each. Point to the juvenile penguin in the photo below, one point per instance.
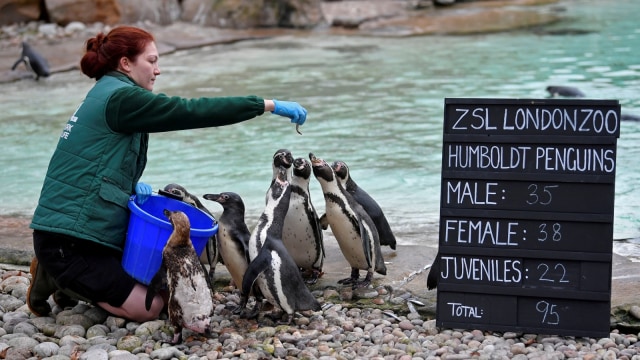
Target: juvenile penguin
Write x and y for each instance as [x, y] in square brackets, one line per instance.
[210, 256]
[367, 202]
[302, 233]
[351, 225]
[281, 158]
[33, 61]
[190, 297]
[271, 266]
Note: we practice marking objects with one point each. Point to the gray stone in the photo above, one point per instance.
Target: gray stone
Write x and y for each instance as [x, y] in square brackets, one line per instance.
[95, 354]
[70, 330]
[46, 349]
[129, 342]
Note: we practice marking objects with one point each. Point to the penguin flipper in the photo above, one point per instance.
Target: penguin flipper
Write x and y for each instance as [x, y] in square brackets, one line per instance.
[211, 249]
[432, 278]
[366, 243]
[324, 223]
[386, 235]
[15, 65]
[154, 286]
[317, 229]
[255, 268]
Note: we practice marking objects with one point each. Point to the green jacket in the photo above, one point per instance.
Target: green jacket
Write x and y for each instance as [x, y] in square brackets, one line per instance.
[102, 153]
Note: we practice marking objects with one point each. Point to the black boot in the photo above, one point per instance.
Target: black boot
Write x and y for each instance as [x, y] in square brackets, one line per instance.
[64, 300]
[41, 287]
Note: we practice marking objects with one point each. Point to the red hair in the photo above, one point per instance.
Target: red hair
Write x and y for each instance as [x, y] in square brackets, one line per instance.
[103, 52]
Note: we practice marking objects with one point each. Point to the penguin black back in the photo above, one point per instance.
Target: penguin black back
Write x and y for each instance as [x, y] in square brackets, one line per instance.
[367, 202]
[33, 60]
[271, 266]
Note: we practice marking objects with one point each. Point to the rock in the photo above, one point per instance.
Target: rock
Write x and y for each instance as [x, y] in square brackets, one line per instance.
[26, 328]
[129, 343]
[45, 349]
[97, 330]
[71, 330]
[87, 11]
[95, 354]
[243, 14]
[22, 342]
[122, 355]
[351, 14]
[9, 303]
[163, 12]
[16, 11]
[74, 319]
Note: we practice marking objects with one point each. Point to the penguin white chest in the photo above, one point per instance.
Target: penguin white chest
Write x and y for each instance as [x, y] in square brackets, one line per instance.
[298, 235]
[193, 296]
[348, 238]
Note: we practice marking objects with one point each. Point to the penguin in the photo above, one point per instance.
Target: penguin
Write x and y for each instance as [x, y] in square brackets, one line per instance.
[351, 225]
[190, 296]
[432, 278]
[566, 91]
[33, 61]
[210, 255]
[302, 233]
[281, 158]
[367, 202]
[271, 266]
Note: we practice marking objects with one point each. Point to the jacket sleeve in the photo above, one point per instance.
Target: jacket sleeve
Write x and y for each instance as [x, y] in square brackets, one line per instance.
[133, 109]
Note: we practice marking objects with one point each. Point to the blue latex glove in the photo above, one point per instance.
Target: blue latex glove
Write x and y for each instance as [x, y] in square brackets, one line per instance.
[290, 109]
[143, 192]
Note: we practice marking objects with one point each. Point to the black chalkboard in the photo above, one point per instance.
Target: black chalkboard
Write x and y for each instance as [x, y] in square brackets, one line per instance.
[526, 215]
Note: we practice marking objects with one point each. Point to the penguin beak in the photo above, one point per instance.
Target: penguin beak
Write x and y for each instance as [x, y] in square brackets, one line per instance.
[316, 161]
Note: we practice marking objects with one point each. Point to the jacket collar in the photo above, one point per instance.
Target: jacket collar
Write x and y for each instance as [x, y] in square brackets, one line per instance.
[121, 76]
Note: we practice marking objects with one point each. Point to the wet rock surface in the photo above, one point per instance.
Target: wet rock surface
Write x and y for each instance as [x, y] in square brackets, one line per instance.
[62, 46]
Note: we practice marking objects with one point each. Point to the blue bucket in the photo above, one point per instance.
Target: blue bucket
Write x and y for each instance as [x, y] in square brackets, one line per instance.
[149, 231]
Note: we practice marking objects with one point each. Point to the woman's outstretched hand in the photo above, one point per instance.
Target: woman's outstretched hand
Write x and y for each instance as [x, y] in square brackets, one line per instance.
[290, 109]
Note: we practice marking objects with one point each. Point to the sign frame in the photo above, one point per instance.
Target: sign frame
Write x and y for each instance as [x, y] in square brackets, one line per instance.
[526, 215]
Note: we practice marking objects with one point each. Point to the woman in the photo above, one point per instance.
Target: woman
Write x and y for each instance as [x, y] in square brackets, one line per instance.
[81, 219]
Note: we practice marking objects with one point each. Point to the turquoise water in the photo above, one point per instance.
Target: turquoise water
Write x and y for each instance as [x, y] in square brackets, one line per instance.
[375, 103]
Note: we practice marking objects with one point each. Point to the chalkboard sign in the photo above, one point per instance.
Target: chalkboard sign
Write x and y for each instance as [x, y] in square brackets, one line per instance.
[526, 215]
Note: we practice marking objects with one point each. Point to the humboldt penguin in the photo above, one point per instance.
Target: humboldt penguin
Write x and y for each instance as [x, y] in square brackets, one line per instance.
[432, 278]
[233, 234]
[271, 266]
[302, 233]
[281, 158]
[190, 296]
[367, 202]
[565, 91]
[233, 243]
[351, 225]
[33, 61]
[210, 255]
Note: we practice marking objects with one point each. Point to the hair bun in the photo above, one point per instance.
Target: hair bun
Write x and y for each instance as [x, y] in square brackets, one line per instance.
[94, 43]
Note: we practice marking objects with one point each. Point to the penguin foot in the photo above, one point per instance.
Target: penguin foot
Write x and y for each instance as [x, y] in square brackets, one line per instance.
[313, 278]
[280, 317]
[355, 274]
[364, 283]
[246, 313]
[347, 281]
[177, 336]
